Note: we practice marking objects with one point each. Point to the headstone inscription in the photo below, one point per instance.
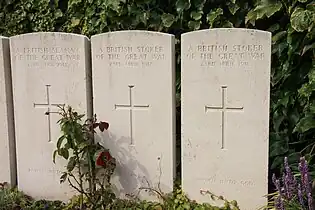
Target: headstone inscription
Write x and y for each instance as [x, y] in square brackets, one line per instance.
[7, 139]
[49, 69]
[133, 81]
[225, 114]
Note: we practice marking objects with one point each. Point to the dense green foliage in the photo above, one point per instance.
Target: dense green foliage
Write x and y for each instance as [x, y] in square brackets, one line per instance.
[292, 123]
[12, 199]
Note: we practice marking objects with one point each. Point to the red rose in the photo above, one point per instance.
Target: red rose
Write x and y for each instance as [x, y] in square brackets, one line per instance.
[103, 158]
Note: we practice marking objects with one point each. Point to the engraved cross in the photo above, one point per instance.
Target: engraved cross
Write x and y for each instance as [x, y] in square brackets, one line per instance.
[131, 107]
[48, 106]
[223, 109]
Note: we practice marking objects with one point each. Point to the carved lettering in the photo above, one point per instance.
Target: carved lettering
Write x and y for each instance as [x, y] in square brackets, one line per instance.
[225, 55]
[131, 56]
[228, 181]
[43, 170]
[39, 57]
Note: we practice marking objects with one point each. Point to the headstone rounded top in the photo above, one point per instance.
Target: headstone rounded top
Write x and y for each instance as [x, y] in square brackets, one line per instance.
[134, 33]
[3, 37]
[47, 33]
[228, 30]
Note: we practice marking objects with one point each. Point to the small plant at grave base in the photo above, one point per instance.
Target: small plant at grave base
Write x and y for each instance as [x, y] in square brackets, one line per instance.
[90, 165]
[293, 194]
[12, 199]
[178, 200]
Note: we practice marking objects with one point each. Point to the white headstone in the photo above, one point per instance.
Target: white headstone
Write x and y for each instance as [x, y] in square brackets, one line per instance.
[225, 114]
[7, 137]
[134, 86]
[49, 69]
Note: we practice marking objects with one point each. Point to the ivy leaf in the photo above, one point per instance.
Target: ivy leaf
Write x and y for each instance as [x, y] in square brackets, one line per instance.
[311, 7]
[265, 9]
[114, 4]
[268, 9]
[301, 19]
[75, 22]
[278, 148]
[58, 13]
[194, 25]
[227, 24]
[308, 47]
[168, 19]
[305, 124]
[71, 3]
[213, 15]
[199, 4]
[182, 5]
[278, 36]
[251, 17]
[233, 8]
[196, 15]
[274, 28]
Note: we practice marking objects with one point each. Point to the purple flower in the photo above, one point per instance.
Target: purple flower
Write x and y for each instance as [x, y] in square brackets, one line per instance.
[307, 184]
[288, 180]
[300, 195]
[290, 189]
[279, 204]
[310, 201]
[304, 173]
[276, 182]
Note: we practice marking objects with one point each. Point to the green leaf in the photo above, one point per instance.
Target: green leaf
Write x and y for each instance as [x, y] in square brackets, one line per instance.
[63, 177]
[182, 5]
[277, 162]
[198, 4]
[305, 124]
[301, 19]
[60, 140]
[54, 156]
[278, 148]
[265, 9]
[64, 153]
[196, 15]
[71, 3]
[58, 13]
[303, 1]
[213, 15]
[268, 9]
[251, 17]
[233, 8]
[194, 25]
[311, 7]
[168, 19]
[71, 164]
[308, 47]
[227, 24]
[278, 36]
[75, 22]
[274, 28]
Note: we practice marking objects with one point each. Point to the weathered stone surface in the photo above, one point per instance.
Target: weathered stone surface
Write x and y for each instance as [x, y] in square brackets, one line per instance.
[7, 140]
[134, 86]
[225, 114]
[49, 69]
